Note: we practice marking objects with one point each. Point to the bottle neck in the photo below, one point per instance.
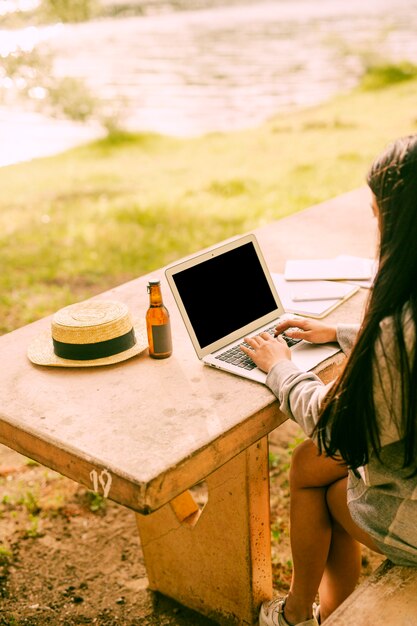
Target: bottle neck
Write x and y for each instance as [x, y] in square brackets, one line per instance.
[155, 295]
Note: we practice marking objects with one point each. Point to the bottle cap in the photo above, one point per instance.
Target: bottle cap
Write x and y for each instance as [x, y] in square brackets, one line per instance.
[154, 281]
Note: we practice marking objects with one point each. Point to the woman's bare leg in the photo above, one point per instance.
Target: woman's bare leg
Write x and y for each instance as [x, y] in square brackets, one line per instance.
[342, 569]
[311, 527]
[324, 538]
[341, 572]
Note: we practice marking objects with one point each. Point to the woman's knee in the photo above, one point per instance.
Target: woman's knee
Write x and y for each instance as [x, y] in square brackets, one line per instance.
[303, 458]
[311, 469]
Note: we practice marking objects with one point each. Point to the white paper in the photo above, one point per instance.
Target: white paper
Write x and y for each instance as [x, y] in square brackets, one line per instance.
[366, 284]
[313, 308]
[336, 268]
[304, 291]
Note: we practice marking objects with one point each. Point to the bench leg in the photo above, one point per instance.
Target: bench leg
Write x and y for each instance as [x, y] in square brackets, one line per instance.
[217, 562]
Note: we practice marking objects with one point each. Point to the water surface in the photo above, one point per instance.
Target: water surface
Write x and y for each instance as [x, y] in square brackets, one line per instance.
[226, 65]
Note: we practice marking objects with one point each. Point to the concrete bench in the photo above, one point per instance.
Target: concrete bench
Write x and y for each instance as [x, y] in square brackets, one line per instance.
[143, 432]
[388, 596]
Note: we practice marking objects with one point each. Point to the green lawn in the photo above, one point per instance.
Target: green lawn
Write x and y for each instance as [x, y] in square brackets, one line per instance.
[91, 218]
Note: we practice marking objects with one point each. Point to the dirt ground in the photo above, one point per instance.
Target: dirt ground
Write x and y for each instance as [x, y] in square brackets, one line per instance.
[68, 557]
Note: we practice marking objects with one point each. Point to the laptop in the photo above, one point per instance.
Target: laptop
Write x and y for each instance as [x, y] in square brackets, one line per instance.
[227, 293]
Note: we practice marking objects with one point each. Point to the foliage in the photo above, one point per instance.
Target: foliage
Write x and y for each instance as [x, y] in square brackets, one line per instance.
[5, 556]
[6, 560]
[72, 97]
[274, 461]
[32, 531]
[30, 502]
[70, 10]
[51, 11]
[95, 502]
[386, 74]
[31, 81]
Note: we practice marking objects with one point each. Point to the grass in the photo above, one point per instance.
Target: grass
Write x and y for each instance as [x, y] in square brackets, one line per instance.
[379, 76]
[76, 224]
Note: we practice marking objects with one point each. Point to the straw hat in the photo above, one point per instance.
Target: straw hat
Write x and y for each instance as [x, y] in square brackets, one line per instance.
[91, 333]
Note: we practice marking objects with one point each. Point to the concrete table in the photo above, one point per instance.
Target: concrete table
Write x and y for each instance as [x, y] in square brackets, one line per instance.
[143, 432]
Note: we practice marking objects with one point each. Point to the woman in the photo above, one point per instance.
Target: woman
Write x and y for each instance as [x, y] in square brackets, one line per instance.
[355, 480]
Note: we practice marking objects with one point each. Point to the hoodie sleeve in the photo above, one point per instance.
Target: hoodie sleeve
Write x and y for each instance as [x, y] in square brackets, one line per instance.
[346, 336]
[301, 394]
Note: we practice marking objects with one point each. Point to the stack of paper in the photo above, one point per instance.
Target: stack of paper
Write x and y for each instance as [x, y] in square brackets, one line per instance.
[339, 268]
[312, 298]
[372, 268]
[315, 287]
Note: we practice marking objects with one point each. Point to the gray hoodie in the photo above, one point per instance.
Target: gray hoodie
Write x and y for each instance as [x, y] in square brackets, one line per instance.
[381, 499]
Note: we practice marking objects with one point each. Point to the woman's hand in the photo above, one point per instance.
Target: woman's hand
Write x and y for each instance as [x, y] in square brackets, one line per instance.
[308, 329]
[265, 350]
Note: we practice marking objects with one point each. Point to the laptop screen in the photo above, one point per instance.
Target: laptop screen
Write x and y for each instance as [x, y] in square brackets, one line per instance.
[224, 293]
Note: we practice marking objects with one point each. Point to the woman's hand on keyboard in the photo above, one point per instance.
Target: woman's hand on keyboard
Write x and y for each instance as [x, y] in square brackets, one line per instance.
[265, 350]
[308, 329]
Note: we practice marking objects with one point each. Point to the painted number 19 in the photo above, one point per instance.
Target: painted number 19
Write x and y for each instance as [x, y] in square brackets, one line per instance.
[102, 480]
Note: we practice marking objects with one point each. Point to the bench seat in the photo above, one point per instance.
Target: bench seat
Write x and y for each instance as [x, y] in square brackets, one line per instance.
[388, 596]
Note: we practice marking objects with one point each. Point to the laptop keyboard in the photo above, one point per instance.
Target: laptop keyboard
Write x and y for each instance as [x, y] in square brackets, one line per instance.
[240, 359]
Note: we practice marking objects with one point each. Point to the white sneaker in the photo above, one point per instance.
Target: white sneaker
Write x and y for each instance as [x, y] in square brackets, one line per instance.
[272, 614]
[316, 612]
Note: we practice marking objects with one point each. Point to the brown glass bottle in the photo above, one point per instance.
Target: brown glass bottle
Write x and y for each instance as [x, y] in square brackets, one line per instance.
[158, 324]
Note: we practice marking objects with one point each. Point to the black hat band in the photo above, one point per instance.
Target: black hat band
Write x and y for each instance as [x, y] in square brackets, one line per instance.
[91, 351]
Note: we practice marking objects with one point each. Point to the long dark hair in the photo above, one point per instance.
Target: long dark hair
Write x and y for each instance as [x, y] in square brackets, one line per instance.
[348, 424]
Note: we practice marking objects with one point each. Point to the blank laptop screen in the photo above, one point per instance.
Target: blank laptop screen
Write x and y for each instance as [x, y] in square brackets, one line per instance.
[224, 293]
